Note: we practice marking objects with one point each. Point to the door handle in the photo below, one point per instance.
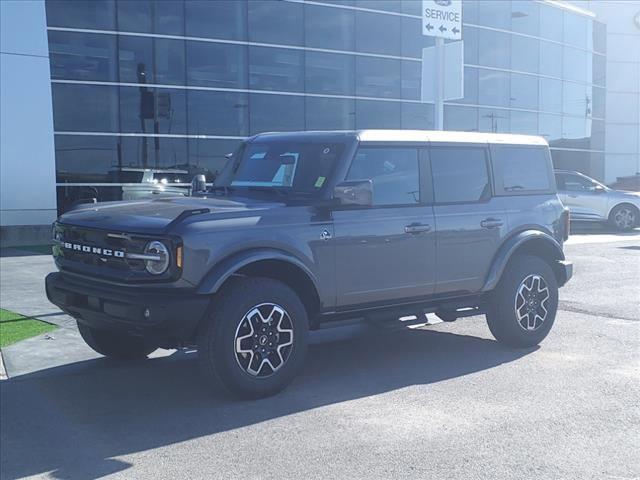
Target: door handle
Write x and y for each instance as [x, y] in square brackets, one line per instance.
[491, 223]
[417, 228]
[572, 196]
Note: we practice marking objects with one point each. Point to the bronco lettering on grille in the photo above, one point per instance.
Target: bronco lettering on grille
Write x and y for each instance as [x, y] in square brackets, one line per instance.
[104, 252]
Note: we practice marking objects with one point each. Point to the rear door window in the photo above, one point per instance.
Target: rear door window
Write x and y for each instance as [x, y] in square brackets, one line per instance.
[521, 170]
[460, 174]
[394, 172]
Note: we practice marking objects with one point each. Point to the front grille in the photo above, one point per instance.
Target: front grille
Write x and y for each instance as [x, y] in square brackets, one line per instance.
[98, 241]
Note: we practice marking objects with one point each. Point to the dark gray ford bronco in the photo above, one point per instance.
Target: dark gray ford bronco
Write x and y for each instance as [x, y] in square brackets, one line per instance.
[303, 230]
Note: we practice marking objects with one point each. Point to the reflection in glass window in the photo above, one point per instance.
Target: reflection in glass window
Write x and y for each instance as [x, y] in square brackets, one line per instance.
[493, 120]
[470, 44]
[551, 22]
[393, 171]
[135, 57]
[412, 39]
[525, 16]
[94, 14]
[575, 100]
[524, 54]
[463, 119]
[328, 27]
[85, 108]
[524, 122]
[550, 127]
[153, 110]
[597, 134]
[520, 169]
[143, 62]
[150, 152]
[493, 48]
[599, 70]
[275, 113]
[378, 33]
[411, 80]
[574, 128]
[220, 19]
[524, 91]
[135, 16]
[599, 37]
[276, 69]
[598, 103]
[575, 65]
[217, 113]
[419, 116]
[329, 113]
[550, 95]
[495, 13]
[551, 59]
[209, 155]
[82, 56]
[470, 86]
[377, 77]
[459, 174]
[329, 73]
[72, 152]
[493, 88]
[377, 114]
[575, 30]
[273, 21]
[216, 65]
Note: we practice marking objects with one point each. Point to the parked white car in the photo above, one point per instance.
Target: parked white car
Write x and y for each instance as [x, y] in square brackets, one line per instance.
[589, 200]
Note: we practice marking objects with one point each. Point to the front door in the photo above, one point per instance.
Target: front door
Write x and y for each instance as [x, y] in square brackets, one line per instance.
[470, 222]
[386, 252]
[582, 196]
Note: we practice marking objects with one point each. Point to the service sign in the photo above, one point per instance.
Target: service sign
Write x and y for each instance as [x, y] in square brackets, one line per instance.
[442, 18]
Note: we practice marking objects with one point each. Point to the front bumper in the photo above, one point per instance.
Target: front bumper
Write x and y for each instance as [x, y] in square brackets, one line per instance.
[166, 318]
[565, 268]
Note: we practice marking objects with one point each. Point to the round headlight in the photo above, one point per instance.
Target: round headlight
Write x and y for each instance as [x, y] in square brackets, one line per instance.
[159, 266]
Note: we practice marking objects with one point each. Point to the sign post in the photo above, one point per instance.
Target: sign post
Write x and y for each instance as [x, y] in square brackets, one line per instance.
[441, 19]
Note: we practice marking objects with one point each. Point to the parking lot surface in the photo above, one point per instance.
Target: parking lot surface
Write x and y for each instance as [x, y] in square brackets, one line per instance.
[441, 402]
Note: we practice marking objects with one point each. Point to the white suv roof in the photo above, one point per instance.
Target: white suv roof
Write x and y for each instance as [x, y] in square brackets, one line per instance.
[447, 136]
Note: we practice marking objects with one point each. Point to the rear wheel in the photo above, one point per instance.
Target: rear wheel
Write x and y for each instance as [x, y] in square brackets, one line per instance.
[115, 344]
[624, 217]
[255, 340]
[523, 306]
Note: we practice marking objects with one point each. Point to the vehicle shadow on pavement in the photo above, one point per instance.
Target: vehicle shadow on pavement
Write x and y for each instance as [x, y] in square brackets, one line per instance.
[72, 420]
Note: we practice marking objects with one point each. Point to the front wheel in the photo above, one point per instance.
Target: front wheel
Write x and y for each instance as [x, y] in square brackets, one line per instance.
[115, 344]
[624, 217]
[255, 339]
[523, 306]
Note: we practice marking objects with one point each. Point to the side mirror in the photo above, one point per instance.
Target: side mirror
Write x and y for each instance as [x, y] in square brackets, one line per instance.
[356, 192]
[198, 184]
[597, 189]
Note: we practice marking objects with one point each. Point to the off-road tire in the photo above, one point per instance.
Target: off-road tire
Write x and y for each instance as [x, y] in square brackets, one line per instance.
[630, 220]
[218, 336]
[115, 344]
[502, 315]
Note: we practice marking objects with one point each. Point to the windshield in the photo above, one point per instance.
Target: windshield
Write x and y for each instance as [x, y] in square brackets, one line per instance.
[298, 167]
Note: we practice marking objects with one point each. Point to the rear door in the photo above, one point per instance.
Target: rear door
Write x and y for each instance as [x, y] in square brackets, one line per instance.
[470, 221]
[387, 251]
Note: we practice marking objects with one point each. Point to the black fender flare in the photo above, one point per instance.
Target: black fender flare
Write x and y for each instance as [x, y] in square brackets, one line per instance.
[224, 269]
[513, 244]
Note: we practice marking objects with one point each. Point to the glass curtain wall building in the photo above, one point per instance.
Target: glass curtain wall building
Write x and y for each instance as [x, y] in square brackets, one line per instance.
[178, 84]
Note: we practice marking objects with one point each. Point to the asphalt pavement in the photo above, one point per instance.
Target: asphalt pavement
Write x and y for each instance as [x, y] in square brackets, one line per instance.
[441, 402]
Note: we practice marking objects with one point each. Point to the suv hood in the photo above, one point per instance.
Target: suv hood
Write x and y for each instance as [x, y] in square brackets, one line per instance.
[155, 216]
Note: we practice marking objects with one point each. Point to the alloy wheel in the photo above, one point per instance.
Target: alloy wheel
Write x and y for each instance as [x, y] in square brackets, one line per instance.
[264, 340]
[530, 305]
[624, 218]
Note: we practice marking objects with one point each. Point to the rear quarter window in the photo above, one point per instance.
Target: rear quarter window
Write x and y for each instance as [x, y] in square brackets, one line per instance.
[522, 170]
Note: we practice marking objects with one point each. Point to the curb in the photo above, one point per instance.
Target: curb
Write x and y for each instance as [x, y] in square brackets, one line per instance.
[3, 372]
